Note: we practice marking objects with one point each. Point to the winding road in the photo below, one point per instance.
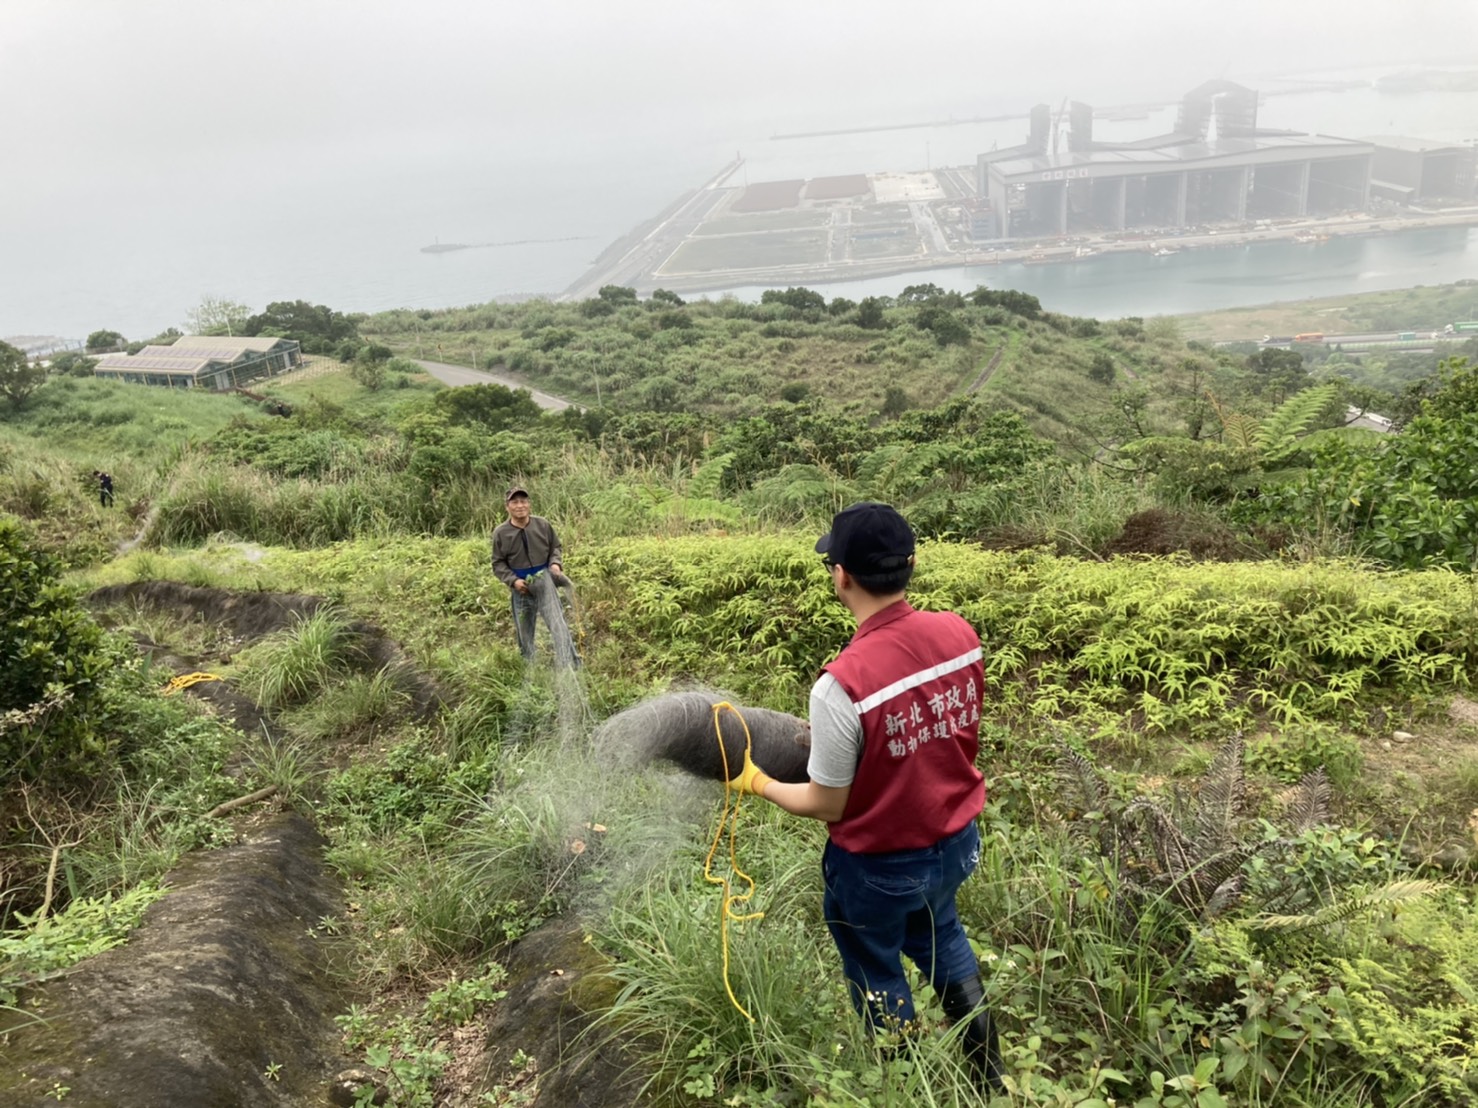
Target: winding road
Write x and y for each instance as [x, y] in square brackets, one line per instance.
[455, 375]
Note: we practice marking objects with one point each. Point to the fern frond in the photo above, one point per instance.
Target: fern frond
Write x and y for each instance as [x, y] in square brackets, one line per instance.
[1279, 432]
[707, 480]
[1219, 799]
[1355, 436]
[1079, 788]
[1397, 892]
[1307, 804]
[1223, 866]
[894, 472]
[1171, 851]
[799, 487]
[1225, 897]
[686, 509]
[1240, 430]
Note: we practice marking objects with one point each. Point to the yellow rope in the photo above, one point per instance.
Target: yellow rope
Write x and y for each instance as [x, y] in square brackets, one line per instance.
[731, 821]
[184, 681]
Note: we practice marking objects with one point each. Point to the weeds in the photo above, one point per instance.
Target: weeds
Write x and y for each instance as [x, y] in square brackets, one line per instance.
[289, 665]
[286, 764]
[41, 948]
[356, 708]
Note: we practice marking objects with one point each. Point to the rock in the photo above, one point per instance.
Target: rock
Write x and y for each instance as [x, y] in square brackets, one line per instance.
[344, 1089]
[1402, 736]
[1385, 744]
[1463, 710]
[1452, 857]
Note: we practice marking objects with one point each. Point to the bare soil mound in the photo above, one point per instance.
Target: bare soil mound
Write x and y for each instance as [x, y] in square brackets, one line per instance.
[1159, 532]
[225, 996]
[250, 615]
[537, 1039]
[221, 998]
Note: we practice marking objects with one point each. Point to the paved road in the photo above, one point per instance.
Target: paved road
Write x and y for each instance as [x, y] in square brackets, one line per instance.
[1374, 338]
[455, 375]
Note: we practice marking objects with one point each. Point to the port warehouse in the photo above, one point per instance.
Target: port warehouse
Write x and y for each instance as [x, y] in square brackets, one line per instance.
[1413, 170]
[204, 362]
[1216, 166]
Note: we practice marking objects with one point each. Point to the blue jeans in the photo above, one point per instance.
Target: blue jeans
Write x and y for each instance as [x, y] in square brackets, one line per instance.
[880, 906]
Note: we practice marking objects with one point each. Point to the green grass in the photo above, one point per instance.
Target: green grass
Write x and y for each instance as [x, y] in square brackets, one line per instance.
[338, 389]
[91, 420]
[285, 763]
[1420, 309]
[905, 243]
[356, 708]
[287, 666]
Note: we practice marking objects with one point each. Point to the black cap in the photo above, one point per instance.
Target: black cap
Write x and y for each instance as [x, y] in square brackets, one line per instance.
[516, 490]
[868, 539]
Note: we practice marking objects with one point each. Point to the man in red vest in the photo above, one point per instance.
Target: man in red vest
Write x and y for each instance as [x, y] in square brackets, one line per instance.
[895, 722]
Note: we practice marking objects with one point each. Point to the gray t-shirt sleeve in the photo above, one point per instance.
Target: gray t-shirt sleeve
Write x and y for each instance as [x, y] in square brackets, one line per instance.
[836, 734]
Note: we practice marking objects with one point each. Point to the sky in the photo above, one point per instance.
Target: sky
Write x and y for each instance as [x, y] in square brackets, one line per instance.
[127, 123]
[181, 81]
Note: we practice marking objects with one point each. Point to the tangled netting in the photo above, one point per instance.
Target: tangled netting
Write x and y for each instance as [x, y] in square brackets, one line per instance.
[546, 589]
[679, 728]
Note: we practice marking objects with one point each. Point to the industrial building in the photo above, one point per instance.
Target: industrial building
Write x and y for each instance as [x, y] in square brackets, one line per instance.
[1416, 171]
[204, 362]
[1216, 166]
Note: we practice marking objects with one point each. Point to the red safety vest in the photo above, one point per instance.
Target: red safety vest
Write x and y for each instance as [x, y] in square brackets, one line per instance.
[916, 680]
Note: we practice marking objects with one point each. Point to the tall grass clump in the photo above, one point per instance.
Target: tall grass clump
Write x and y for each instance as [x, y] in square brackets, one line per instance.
[358, 707]
[287, 666]
[133, 839]
[204, 500]
[670, 1001]
[285, 763]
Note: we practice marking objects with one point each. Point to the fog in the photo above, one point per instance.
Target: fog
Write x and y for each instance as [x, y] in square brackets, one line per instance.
[140, 138]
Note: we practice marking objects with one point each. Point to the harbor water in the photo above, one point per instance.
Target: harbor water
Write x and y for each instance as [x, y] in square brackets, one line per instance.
[1111, 286]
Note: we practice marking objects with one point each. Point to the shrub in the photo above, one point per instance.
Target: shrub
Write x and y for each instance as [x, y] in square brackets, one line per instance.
[52, 657]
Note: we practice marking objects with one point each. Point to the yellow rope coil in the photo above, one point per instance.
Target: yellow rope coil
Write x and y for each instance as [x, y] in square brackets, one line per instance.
[730, 820]
[185, 680]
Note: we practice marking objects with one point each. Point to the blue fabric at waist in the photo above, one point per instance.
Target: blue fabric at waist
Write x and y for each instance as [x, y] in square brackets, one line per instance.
[522, 573]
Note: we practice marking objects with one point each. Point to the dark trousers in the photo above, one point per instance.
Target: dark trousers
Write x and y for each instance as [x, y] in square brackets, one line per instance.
[882, 906]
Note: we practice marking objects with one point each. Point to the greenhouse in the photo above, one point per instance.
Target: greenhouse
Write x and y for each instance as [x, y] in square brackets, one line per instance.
[204, 362]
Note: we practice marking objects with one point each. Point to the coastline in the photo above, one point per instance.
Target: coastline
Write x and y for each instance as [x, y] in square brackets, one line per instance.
[1075, 250]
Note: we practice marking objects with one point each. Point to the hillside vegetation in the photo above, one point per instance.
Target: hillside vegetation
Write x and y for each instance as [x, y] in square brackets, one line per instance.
[1424, 308]
[1234, 782]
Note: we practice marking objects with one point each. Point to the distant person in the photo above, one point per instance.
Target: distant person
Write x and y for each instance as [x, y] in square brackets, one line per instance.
[527, 558]
[895, 729]
[105, 487]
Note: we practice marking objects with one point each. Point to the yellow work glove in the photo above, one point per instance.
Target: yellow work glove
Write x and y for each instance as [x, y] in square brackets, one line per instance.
[751, 779]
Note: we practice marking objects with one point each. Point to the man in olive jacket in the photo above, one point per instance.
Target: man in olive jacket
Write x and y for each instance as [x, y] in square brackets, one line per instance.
[527, 558]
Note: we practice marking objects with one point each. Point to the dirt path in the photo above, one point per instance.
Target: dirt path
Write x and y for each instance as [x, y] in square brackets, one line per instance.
[990, 367]
[456, 375]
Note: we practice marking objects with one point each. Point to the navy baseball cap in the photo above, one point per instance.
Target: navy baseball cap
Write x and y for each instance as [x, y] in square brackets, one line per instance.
[868, 539]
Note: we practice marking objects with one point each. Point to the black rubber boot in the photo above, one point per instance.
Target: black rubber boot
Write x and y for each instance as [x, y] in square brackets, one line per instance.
[963, 1000]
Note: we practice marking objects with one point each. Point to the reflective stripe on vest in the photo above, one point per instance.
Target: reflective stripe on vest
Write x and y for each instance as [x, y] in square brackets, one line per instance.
[916, 781]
